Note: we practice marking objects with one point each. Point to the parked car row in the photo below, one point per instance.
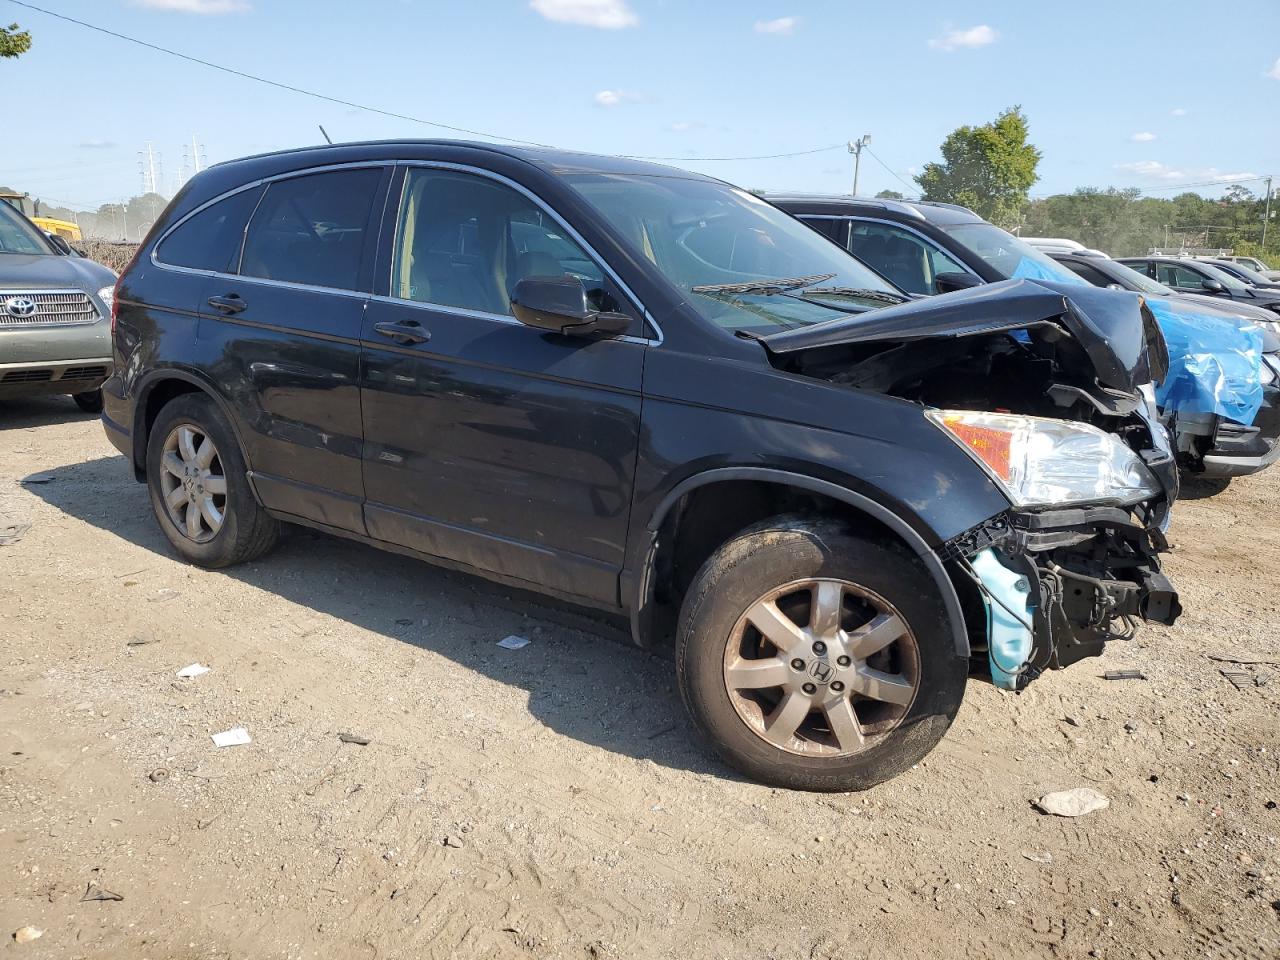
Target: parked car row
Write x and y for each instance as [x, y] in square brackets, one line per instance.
[837, 465]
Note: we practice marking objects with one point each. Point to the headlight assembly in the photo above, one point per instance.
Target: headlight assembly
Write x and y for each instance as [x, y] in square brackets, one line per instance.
[107, 295]
[1041, 462]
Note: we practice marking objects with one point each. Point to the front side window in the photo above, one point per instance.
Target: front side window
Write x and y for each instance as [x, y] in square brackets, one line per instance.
[311, 229]
[17, 235]
[210, 240]
[465, 241]
[1135, 278]
[703, 235]
[912, 263]
[1009, 256]
[1094, 276]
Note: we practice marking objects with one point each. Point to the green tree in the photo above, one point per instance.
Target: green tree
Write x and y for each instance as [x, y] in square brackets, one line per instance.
[14, 42]
[889, 195]
[988, 168]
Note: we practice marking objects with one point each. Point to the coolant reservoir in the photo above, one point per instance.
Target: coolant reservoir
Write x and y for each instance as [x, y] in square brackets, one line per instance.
[1008, 636]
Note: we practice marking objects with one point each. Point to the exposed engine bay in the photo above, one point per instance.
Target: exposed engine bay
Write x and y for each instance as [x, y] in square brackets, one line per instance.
[1044, 584]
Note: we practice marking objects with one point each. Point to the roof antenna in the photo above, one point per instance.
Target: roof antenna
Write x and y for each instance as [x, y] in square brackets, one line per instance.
[326, 136]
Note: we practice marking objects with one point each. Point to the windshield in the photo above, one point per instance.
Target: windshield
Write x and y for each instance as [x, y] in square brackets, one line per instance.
[17, 235]
[1243, 271]
[703, 234]
[1226, 279]
[1010, 257]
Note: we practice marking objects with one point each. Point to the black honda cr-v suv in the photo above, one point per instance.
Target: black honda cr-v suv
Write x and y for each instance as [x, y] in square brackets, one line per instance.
[649, 391]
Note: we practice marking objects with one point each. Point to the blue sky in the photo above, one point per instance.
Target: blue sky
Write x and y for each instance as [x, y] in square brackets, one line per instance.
[1123, 94]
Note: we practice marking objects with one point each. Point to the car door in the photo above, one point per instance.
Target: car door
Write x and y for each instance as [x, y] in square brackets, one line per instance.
[283, 339]
[494, 445]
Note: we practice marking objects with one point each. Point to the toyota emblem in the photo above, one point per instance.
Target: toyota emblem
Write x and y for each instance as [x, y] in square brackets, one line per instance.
[21, 307]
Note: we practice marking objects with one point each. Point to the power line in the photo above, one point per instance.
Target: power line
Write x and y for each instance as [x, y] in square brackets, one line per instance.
[912, 187]
[272, 83]
[378, 110]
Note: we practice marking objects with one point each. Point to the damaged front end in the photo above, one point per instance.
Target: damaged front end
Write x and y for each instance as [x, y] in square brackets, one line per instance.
[1048, 387]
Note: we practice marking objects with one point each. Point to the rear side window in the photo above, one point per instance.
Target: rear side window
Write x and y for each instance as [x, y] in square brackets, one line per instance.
[210, 240]
[312, 229]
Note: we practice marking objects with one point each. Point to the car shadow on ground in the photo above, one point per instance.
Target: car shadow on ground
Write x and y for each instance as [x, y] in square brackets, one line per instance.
[27, 412]
[583, 676]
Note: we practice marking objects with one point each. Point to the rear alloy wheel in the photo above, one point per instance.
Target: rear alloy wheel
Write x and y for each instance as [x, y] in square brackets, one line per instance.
[200, 488]
[192, 483]
[817, 659]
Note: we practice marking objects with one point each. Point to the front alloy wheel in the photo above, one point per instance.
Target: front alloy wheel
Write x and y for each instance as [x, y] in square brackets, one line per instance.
[192, 483]
[822, 667]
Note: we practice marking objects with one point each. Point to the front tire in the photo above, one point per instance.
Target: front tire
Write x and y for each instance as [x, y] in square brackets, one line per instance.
[815, 659]
[199, 486]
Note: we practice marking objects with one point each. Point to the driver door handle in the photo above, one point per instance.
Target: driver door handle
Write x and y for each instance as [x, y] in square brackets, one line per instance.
[403, 331]
[231, 303]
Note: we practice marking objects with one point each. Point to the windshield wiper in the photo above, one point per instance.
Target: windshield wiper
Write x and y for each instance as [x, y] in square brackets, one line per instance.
[764, 288]
[885, 296]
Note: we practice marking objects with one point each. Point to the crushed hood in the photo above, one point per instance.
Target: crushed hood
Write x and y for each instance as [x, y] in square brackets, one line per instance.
[1113, 327]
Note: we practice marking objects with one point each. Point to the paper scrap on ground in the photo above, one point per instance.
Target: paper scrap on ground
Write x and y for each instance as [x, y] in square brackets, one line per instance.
[1073, 803]
[513, 642]
[193, 670]
[235, 737]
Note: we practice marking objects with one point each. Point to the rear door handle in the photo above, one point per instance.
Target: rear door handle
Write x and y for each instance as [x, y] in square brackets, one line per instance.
[231, 303]
[403, 331]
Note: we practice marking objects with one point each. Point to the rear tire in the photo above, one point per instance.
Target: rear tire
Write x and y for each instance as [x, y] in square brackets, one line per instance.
[201, 494]
[90, 402]
[861, 660]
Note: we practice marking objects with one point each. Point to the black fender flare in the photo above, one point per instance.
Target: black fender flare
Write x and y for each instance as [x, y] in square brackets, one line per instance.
[149, 383]
[864, 504]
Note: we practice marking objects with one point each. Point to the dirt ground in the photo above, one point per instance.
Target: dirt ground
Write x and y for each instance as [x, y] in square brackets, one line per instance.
[553, 801]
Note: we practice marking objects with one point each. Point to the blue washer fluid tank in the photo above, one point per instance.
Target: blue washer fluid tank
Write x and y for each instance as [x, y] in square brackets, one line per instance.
[1008, 638]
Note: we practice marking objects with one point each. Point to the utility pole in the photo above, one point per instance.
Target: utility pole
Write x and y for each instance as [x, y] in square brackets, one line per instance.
[148, 165]
[855, 147]
[1266, 218]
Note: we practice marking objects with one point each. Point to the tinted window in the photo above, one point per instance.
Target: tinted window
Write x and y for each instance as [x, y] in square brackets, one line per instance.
[911, 262]
[1094, 276]
[312, 229]
[1006, 254]
[211, 239]
[466, 241]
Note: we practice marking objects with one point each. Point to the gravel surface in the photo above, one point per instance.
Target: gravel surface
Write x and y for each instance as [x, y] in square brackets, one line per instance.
[552, 801]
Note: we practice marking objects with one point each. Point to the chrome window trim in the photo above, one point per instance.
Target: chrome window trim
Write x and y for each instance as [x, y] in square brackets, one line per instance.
[253, 185]
[646, 316]
[888, 223]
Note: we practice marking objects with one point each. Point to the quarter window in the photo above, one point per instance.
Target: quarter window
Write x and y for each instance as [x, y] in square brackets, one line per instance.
[210, 240]
[312, 229]
[466, 241]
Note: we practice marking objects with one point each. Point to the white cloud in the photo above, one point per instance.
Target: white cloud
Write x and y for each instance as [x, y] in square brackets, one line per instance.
[97, 144]
[614, 98]
[1178, 112]
[1274, 72]
[605, 14]
[784, 26]
[978, 36]
[1155, 170]
[196, 6]
[1143, 136]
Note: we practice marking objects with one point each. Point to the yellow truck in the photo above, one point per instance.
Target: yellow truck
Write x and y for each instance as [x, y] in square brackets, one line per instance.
[31, 209]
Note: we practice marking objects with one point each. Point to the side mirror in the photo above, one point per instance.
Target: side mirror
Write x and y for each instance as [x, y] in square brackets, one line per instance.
[61, 245]
[560, 304]
[949, 282]
[1213, 286]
